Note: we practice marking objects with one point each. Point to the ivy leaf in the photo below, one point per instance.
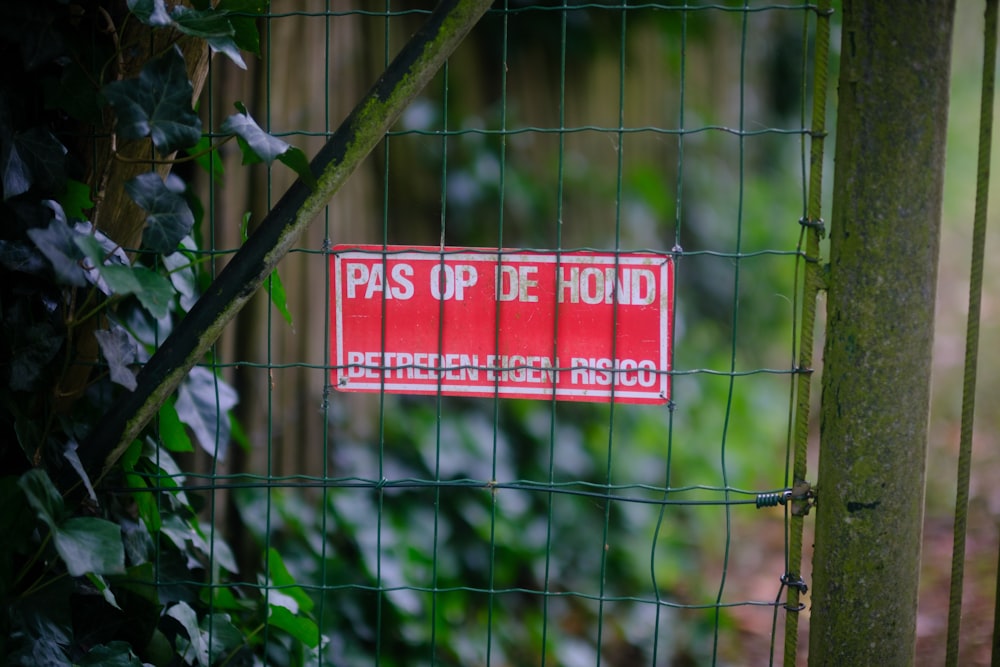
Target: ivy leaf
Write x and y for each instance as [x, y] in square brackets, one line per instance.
[151, 12]
[256, 144]
[15, 526]
[21, 257]
[301, 628]
[115, 654]
[119, 349]
[172, 433]
[259, 146]
[282, 578]
[157, 104]
[170, 218]
[246, 35]
[101, 585]
[275, 289]
[89, 544]
[207, 159]
[71, 455]
[154, 291]
[102, 253]
[180, 269]
[297, 161]
[43, 497]
[203, 400]
[211, 25]
[73, 91]
[76, 199]
[86, 544]
[33, 158]
[278, 297]
[57, 243]
[32, 347]
[198, 648]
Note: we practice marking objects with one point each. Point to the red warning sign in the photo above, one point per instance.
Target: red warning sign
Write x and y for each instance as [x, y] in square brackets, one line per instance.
[579, 325]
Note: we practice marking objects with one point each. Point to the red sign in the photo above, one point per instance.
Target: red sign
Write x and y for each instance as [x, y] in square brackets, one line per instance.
[582, 325]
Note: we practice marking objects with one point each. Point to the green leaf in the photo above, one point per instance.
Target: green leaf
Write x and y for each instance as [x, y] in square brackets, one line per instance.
[43, 497]
[207, 158]
[89, 544]
[153, 290]
[156, 293]
[70, 454]
[277, 293]
[86, 544]
[203, 400]
[33, 159]
[115, 654]
[172, 433]
[150, 12]
[225, 599]
[222, 634]
[131, 456]
[211, 25]
[157, 104]
[22, 257]
[160, 459]
[101, 251]
[259, 146]
[33, 346]
[237, 433]
[198, 647]
[169, 217]
[102, 586]
[149, 512]
[58, 245]
[297, 161]
[301, 628]
[76, 199]
[180, 268]
[16, 525]
[256, 144]
[46, 616]
[246, 35]
[73, 92]
[280, 576]
[119, 350]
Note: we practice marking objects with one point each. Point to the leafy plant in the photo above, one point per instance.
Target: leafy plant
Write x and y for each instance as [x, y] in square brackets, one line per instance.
[99, 259]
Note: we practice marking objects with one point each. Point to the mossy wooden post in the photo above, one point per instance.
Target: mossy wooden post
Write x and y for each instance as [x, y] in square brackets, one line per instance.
[877, 363]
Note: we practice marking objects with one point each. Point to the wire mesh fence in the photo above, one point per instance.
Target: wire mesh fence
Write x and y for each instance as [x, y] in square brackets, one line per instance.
[443, 529]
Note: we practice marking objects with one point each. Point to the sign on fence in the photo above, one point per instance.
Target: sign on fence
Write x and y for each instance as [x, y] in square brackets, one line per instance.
[582, 325]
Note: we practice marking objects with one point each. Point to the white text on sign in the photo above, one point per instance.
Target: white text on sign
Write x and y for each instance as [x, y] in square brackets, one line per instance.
[575, 325]
[589, 285]
[503, 368]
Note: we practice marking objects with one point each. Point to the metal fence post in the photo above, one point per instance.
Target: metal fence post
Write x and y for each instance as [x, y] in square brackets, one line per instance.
[877, 362]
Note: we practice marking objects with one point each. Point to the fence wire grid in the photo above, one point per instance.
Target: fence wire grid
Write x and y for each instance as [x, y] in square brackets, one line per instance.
[443, 530]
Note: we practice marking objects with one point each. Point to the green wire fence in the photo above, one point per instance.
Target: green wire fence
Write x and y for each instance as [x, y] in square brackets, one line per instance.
[435, 529]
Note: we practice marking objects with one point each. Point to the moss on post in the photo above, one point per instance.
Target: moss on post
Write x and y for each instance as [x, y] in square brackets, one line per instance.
[877, 363]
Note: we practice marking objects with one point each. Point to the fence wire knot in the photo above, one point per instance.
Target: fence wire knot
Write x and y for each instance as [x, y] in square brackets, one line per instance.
[818, 224]
[790, 580]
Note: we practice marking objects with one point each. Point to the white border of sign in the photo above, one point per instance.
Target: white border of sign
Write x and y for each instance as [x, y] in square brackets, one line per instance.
[567, 257]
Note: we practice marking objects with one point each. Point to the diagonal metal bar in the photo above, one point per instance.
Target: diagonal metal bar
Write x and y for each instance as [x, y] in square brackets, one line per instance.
[406, 76]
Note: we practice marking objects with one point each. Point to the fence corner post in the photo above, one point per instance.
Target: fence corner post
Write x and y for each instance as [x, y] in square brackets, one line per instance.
[885, 228]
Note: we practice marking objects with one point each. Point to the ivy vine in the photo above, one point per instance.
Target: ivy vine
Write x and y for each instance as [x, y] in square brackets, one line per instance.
[99, 258]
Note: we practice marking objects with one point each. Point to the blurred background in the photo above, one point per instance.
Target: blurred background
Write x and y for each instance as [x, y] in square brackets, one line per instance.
[565, 126]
